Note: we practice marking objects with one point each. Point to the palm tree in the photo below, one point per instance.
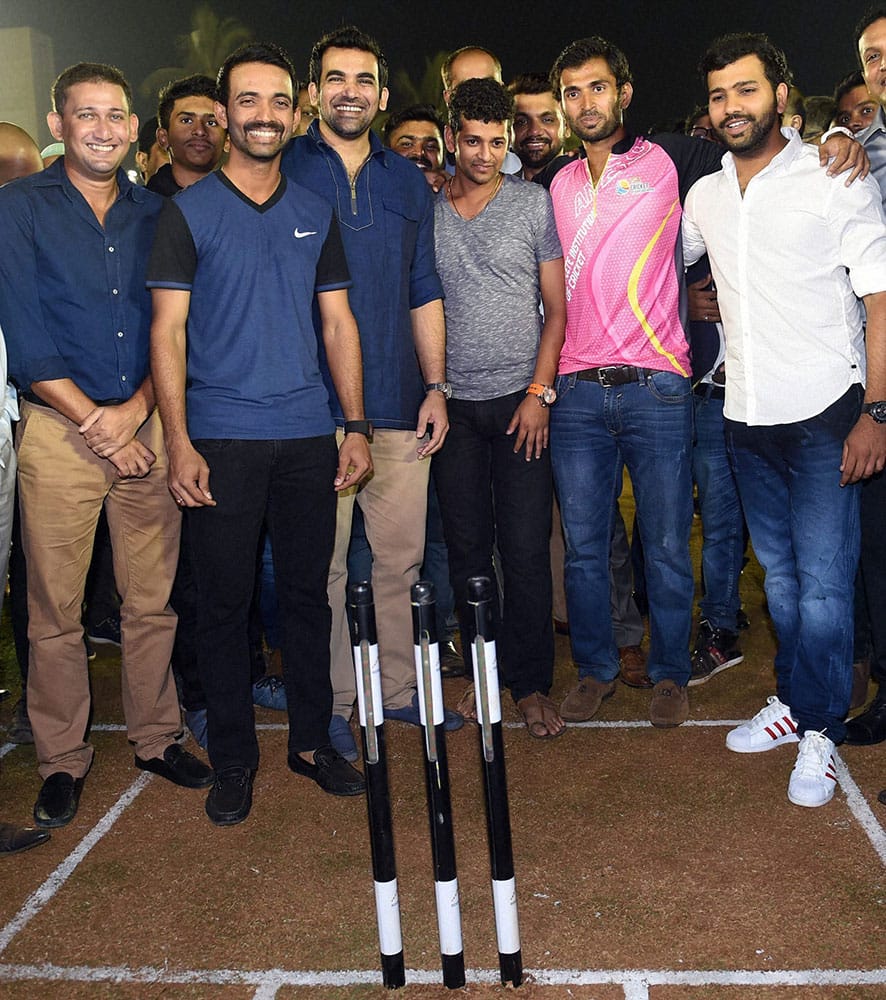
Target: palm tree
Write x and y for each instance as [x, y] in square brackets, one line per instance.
[429, 90]
[202, 50]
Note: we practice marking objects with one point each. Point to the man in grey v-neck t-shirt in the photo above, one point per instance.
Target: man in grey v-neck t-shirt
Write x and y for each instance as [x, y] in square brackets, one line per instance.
[499, 258]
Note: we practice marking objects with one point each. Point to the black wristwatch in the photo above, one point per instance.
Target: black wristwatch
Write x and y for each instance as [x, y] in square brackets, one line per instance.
[877, 410]
[359, 427]
[443, 387]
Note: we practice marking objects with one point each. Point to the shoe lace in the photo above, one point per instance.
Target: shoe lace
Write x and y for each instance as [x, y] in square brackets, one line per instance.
[774, 710]
[814, 754]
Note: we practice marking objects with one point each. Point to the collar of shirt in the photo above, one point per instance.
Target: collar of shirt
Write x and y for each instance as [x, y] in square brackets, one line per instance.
[376, 148]
[778, 164]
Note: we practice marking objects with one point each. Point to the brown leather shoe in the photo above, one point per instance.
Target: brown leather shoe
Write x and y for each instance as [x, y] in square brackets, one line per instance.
[669, 706]
[584, 700]
[632, 667]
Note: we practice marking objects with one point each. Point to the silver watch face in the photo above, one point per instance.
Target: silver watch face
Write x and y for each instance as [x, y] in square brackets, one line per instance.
[877, 410]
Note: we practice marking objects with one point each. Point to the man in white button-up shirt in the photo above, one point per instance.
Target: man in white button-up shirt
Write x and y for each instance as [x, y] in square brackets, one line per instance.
[792, 253]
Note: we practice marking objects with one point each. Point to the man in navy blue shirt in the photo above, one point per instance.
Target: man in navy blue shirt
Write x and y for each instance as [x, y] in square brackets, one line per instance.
[384, 209]
[236, 264]
[76, 318]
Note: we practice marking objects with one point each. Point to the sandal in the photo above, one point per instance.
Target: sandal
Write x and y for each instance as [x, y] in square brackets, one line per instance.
[467, 704]
[541, 716]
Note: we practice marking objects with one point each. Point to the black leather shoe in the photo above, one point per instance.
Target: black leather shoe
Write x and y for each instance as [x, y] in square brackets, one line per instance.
[57, 802]
[230, 797]
[179, 767]
[452, 663]
[870, 727]
[331, 772]
[15, 838]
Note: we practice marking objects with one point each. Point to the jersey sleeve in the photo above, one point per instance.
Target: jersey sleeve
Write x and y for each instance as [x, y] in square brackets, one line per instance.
[173, 262]
[548, 245]
[693, 158]
[332, 266]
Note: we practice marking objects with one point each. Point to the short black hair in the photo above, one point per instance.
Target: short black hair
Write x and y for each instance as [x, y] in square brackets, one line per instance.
[867, 19]
[414, 113]
[479, 100]
[189, 86]
[446, 68]
[253, 52]
[579, 52]
[699, 111]
[727, 49]
[88, 72]
[347, 37]
[531, 83]
[147, 134]
[849, 82]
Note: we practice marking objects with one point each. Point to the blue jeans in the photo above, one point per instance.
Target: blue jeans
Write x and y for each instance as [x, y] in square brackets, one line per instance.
[722, 522]
[595, 433]
[805, 532]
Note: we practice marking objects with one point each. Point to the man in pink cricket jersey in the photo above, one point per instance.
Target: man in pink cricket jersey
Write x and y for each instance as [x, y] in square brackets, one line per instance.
[624, 384]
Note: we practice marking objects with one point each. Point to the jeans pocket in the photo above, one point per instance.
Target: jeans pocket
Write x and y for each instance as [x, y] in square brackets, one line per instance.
[669, 387]
[563, 384]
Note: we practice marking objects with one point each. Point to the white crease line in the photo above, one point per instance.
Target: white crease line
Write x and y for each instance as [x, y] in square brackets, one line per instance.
[5, 749]
[860, 809]
[634, 981]
[42, 896]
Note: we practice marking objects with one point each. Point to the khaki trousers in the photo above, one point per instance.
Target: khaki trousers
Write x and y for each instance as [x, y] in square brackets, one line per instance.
[394, 504]
[62, 487]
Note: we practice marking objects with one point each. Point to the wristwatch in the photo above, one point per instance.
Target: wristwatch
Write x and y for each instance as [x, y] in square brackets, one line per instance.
[547, 395]
[877, 410]
[359, 427]
[443, 387]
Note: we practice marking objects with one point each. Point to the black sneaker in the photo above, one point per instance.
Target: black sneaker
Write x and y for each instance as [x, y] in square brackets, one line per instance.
[107, 630]
[715, 650]
[230, 797]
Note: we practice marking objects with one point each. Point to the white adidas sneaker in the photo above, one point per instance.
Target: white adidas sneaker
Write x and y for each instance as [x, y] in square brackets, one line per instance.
[814, 777]
[769, 728]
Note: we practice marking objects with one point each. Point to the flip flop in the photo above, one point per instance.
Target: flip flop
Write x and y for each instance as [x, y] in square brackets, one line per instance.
[537, 710]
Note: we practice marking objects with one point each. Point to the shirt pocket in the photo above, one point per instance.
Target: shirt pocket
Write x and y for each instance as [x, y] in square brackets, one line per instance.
[401, 220]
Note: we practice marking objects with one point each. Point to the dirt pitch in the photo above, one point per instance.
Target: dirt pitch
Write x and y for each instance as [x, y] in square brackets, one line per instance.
[650, 864]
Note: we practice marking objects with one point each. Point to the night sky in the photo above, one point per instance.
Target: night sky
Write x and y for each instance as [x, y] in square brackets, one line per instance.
[663, 41]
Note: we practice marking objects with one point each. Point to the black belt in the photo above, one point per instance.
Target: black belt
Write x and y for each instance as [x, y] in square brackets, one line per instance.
[707, 390]
[610, 375]
[32, 397]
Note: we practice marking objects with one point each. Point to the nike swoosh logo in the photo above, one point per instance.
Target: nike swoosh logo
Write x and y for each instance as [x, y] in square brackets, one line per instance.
[300, 236]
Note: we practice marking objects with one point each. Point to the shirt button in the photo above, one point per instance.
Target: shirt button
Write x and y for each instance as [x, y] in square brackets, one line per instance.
[122, 378]
[119, 333]
[110, 249]
[114, 291]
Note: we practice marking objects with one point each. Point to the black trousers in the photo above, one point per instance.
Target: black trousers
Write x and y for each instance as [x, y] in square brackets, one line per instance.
[491, 498]
[288, 484]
